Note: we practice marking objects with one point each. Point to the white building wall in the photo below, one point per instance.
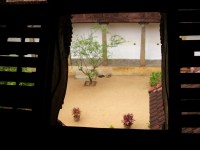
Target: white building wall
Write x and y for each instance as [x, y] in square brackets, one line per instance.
[131, 32]
[153, 45]
[84, 29]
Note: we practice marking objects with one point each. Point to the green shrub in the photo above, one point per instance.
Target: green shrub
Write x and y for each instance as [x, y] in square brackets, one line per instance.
[155, 78]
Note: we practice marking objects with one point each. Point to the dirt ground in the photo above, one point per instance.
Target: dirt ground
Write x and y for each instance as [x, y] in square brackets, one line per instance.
[105, 104]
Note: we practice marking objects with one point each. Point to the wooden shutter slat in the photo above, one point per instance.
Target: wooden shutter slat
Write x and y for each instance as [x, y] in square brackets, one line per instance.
[21, 77]
[20, 48]
[190, 120]
[190, 78]
[24, 32]
[188, 16]
[189, 62]
[190, 93]
[189, 29]
[19, 61]
[190, 105]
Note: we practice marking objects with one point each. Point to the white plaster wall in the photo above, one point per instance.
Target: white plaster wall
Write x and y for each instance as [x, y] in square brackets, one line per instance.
[84, 29]
[131, 32]
[153, 45]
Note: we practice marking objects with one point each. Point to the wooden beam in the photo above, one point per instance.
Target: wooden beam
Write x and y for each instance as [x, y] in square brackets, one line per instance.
[153, 17]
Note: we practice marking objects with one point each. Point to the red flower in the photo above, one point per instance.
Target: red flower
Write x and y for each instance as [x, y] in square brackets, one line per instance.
[76, 111]
[128, 119]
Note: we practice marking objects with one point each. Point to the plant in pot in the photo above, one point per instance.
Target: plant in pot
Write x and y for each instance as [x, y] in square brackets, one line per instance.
[155, 80]
[76, 113]
[128, 120]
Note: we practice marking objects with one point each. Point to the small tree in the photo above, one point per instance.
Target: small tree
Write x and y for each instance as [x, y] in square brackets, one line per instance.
[90, 53]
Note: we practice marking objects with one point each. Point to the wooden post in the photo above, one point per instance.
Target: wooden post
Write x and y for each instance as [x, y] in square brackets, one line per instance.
[142, 48]
[104, 43]
[173, 71]
[32, 40]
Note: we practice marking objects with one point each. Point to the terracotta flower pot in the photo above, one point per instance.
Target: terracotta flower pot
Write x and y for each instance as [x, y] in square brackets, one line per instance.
[77, 118]
[127, 126]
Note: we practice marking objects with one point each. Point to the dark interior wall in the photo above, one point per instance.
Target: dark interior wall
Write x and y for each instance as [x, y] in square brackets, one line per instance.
[169, 29]
[53, 44]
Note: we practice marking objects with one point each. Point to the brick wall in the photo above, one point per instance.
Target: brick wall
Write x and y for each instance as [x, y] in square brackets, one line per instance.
[157, 115]
[153, 17]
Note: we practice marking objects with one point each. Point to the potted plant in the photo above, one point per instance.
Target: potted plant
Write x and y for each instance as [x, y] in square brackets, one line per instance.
[128, 120]
[76, 113]
[155, 80]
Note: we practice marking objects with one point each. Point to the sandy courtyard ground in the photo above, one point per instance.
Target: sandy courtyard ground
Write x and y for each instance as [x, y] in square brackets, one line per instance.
[105, 104]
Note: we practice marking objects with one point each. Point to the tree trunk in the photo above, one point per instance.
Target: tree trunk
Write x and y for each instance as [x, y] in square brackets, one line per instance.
[90, 79]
